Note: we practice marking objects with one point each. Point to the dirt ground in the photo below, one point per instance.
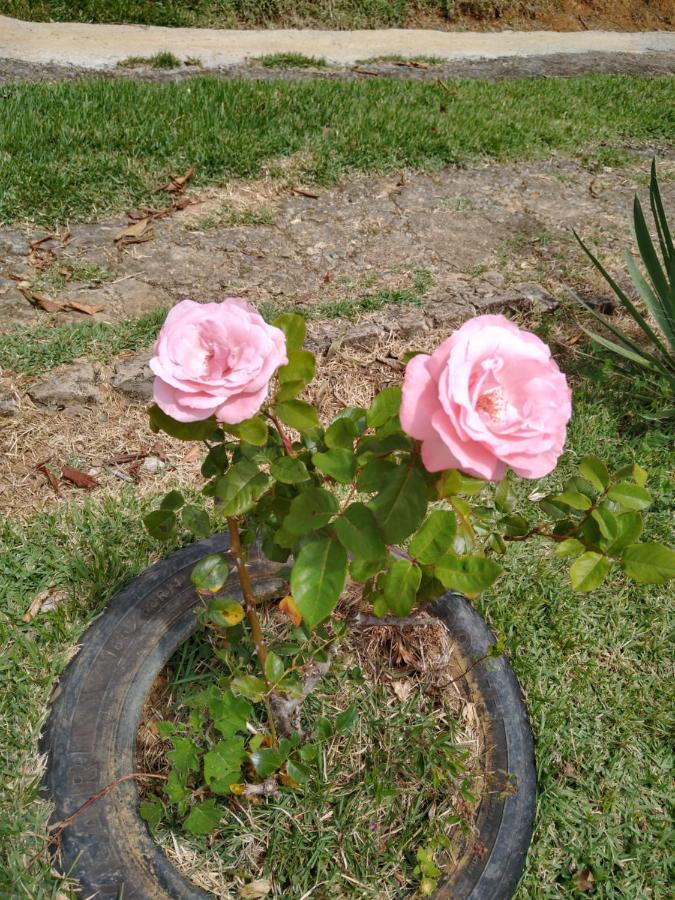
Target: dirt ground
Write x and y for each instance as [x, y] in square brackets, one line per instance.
[459, 241]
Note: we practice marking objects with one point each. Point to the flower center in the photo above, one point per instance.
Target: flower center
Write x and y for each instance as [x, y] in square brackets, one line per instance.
[492, 403]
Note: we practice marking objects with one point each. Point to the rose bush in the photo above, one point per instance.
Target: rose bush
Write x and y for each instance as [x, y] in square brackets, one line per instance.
[489, 397]
[332, 501]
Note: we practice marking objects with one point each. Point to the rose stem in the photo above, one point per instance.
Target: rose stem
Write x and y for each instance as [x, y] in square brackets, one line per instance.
[252, 615]
[288, 446]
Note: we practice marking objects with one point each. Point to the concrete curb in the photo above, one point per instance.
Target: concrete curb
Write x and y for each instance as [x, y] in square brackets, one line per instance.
[102, 46]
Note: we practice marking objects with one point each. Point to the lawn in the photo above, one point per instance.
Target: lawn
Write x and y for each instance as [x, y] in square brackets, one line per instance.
[592, 667]
[76, 150]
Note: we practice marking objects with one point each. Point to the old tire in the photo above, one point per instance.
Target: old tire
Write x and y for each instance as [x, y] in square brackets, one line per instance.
[90, 741]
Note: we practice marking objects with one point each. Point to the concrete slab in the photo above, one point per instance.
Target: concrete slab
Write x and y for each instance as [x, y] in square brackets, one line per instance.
[102, 46]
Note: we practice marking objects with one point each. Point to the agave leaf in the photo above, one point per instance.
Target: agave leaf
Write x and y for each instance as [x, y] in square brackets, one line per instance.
[655, 304]
[659, 214]
[648, 252]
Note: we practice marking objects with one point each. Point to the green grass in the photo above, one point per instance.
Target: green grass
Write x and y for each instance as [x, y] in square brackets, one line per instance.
[261, 13]
[594, 670]
[399, 58]
[35, 350]
[64, 272]
[74, 150]
[233, 218]
[32, 351]
[289, 61]
[162, 60]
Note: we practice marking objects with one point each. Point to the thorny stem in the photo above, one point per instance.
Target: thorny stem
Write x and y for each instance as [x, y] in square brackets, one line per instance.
[251, 614]
[288, 446]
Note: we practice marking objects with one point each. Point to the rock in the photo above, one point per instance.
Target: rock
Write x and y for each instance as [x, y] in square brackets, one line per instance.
[535, 293]
[74, 385]
[9, 400]
[496, 279]
[133, 376]
[152, 465]
[497, 301]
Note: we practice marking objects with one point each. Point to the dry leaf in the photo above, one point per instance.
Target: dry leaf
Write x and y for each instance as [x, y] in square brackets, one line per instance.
[583, 878]
[289, 607]
[135, 232]
[44, 602]
[303, 192]
[402, 689]
[79, 479]
[256, 889]
[176, 183]
[41, 301]
[328, 277]
[193, 454]
[51, 478]
[85, 308]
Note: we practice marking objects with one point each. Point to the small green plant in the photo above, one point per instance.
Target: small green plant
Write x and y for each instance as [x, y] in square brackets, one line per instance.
[162, 60]
[290, 61]
[655, 357]
[66, 271]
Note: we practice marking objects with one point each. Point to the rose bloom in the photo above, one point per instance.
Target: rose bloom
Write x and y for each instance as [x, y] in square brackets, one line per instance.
[489, 397]
[215, 359]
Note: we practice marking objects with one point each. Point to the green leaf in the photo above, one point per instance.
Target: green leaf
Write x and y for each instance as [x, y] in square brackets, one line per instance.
[222, 765]
[318, 578]
[294, 327]
[588, 571]
[630, 496]
[401, 504]
[341, 433]
[267, 761]
[173, 500]
[239, 488]
[230, 714]
[435, 537]
[573, 499]
[374, 475]
[455, 482]
[253, 431]
[299, 415]
[372, 445]
[296, 375]
[634, 471]
[469, 574]
[249, 686]
[210, 573]
[196, 521]
[274, 668]
[161, 524]
[569, 547]
[225, 613]
[629, 529]
[337, 463]
[323, 729]
[184, 431]
[649, 563]
[310, 510]
[595, 471]
[184, 757]
[289, 470]
[203, 818]
[363, 569]
[175, 789]
[399, 586]
[309, 753]
[344, 721]
[298, 772]
[151, 811]
[607, 522]
[215, 462]
[359, 533]
[505, 497]
[385, 406]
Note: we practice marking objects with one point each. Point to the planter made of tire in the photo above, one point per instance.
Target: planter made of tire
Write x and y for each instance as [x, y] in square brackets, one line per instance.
[90, 740]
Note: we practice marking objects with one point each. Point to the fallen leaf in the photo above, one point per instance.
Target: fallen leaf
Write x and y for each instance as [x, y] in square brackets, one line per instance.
[256, 889]
[583, 878]
[43, 602]
[86, 308]
[193, 454]
[136, 232]
[402, 689]
[303, 192]
[79, 479]
[51, 478]
[289, 606]
[176, 183]
[41, 301]
[328, 277]
[592, 187]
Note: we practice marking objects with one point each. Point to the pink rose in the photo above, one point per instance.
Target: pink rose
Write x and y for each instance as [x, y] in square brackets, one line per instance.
[215, 359]
[489, 397]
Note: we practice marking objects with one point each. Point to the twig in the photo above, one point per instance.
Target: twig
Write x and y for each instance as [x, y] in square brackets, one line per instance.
[363, 621]
[287, 711]
[268, 788]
